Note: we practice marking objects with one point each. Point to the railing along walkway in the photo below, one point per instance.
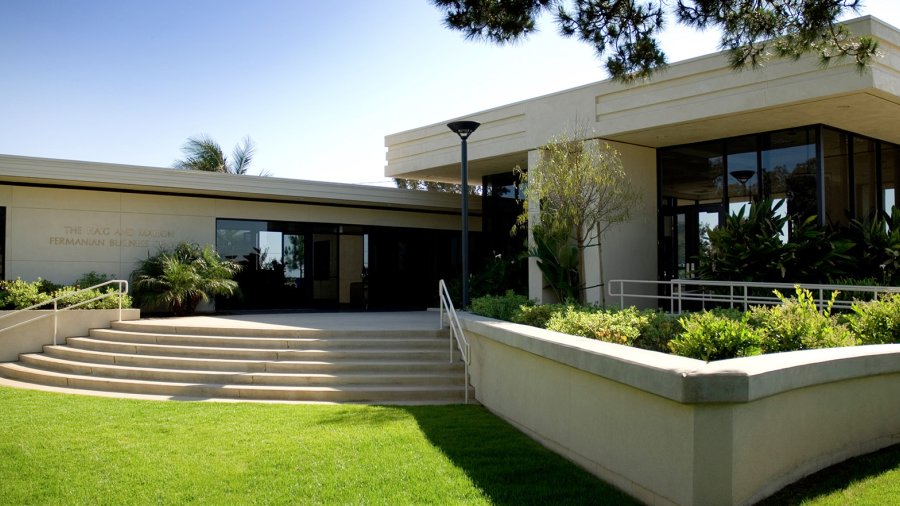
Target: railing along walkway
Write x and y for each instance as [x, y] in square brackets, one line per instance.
[732, 293]
[456, 332]
[54, 312]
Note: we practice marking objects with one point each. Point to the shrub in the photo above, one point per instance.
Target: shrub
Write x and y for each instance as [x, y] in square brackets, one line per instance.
[501, 307]
[876, 322]
[181, 278]
[797, 324]
[111, 302]
[660, 329]
[537, 315]
[612, 326]
[19, 294]
[92, 278]
[716, 335]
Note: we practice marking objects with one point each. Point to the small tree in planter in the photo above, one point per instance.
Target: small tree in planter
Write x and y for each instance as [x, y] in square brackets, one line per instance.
[184, 277]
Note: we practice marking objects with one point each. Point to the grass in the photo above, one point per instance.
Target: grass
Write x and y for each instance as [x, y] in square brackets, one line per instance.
[68, 449]
[872, 479]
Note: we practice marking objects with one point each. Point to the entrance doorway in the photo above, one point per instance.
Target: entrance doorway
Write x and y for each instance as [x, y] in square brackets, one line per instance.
[684, 235]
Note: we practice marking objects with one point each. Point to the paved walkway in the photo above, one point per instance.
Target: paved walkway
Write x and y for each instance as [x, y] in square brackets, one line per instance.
[402, 320]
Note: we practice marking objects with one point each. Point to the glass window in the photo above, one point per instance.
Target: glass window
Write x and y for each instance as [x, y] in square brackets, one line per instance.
[743, 172]
[890, 174]
[837, 176]
[789, 169]
[864, 177]
[693, 174]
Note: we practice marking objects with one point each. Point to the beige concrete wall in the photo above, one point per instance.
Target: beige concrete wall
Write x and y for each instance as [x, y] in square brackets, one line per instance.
[32, 337]
[671, 430]
[60, 234]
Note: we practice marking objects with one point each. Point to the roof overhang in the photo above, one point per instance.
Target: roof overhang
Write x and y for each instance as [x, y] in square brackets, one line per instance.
[695, 100]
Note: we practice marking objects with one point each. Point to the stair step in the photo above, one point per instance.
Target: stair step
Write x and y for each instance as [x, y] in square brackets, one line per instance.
[343, 393]
[272, 342]
[220, 364]
[258, 353]
[168, 328]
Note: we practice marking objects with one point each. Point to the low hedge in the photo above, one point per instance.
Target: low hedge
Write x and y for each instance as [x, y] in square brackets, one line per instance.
[796, 324]
[19, 294]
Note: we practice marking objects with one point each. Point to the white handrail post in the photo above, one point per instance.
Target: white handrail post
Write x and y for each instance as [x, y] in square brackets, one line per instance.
[120, 301]
[55, 321]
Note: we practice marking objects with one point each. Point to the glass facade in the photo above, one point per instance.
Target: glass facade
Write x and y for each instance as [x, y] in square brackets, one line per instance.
[314, 265]
[811, 171]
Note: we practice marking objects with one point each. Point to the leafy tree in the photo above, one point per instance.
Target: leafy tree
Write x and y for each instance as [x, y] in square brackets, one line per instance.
[583, 190]
[627, 30]
[182, 278]
[204, 154]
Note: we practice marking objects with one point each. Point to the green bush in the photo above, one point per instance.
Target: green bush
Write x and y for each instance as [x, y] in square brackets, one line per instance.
[501, 307]
[111, 302]
[876, 322]
[537, 315]
[612, 326]
[92, 278]
[716, 335]
[660, 329]
[179, 279]
[19, 294]
[797, 324]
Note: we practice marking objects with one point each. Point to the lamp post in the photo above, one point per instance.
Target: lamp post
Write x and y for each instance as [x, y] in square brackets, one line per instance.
[464, 129]
[743, 177]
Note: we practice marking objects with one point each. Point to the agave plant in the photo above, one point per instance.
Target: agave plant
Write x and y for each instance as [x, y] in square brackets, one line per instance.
[182, 278]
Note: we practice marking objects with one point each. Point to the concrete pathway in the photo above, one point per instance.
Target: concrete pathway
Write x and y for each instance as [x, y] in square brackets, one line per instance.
[404, 320]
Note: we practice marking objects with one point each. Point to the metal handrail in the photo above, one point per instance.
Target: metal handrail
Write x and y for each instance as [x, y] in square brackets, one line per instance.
[122, 290]
[456, 332]
[739, 292]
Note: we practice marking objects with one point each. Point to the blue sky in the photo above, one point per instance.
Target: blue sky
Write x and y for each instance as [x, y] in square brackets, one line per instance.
[317, 90]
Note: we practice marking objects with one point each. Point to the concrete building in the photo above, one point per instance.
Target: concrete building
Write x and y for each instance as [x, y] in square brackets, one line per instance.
[304, 244]
[698, 140]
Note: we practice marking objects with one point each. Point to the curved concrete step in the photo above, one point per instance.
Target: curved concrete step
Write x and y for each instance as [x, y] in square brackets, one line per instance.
[40, 361]
[347, 393]
[148, 326]
[213, 364]
[268, 342]
[257, 353]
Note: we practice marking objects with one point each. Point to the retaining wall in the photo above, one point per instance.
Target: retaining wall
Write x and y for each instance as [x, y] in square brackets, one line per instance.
[674, 430]
[31, 337]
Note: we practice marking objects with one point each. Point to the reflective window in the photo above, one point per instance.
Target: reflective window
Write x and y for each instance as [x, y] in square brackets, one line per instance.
[837, 176]
[743, 172]
[890, 174]
[789, 170]
[692, 174]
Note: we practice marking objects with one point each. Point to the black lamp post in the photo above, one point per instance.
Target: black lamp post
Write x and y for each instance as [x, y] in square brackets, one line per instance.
[743, 176]
[464, 129]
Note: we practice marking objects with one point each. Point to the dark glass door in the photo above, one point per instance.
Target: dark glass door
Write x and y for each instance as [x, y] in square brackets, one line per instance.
[684, 235]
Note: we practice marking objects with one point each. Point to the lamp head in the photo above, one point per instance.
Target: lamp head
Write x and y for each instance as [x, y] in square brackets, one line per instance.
[463, 128]
[743, 175]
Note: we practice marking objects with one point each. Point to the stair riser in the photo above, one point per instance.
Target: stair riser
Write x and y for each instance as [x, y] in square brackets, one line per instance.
[237, 392]
[89, 356]
[270, 343]
[276, 333]
[107, 371]
[237, 353]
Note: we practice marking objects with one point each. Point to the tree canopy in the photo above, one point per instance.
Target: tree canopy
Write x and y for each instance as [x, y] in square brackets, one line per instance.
[582, 190]
[204, 154]
[626, 32]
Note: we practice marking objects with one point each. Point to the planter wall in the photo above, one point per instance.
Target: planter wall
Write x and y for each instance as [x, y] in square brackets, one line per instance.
[673, 430]
[32, 337]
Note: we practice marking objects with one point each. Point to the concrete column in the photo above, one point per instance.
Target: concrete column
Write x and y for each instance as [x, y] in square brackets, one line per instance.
[535, 278]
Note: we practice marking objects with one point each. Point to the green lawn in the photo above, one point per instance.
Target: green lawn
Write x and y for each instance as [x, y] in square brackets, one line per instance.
[70, 449]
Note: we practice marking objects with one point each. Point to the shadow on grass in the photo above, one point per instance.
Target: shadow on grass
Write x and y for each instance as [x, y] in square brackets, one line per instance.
[838, 477]
[509, 467]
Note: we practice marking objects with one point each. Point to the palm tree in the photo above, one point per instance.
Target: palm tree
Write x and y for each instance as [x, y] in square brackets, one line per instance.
[182, 278]
[204, 154]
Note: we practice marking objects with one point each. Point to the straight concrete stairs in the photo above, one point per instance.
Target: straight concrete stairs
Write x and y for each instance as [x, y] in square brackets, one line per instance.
[378, 366]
